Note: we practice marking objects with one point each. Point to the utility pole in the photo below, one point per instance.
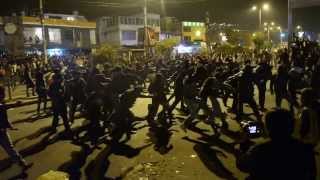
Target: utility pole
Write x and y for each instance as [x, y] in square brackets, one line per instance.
[207, 23]
[260, 18]
[44, 41]
[145, 12]
[268, 34]
[290, 32]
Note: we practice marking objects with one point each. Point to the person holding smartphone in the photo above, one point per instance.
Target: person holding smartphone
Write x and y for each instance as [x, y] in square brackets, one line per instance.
[282, 157]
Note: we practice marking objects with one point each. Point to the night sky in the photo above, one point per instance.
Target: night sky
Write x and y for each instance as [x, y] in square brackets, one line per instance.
[230, 11]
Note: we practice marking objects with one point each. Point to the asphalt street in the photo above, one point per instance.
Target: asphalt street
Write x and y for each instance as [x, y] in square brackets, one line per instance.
[196, 155]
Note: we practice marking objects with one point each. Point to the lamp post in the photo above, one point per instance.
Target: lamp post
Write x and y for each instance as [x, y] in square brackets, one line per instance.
[269, 27]
[44, 41]
[281, 34]
[290, 20]
[264, 7]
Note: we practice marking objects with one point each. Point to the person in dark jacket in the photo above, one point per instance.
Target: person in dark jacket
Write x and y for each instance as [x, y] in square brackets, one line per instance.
[78, 93]
[158, 90]
[5, 139]
[245, 90]
[279, 86]
[178, 92]
[282, 157]
[315, 80]
[28, 80]
[59, 106]
[263, 73]
[41, 89]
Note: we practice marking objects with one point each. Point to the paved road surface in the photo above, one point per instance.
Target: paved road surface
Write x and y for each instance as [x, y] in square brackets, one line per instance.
[193, 156]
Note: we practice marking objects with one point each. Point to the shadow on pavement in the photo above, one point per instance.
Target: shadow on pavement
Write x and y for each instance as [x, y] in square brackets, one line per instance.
[34, 149]
[209, 157]
[20, 176]
[78, 160]
[98, 167]
[35, 135]
[32, 118]
[215, 141]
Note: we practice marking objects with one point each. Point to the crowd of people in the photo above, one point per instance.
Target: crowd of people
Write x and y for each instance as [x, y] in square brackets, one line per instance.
[105, 94]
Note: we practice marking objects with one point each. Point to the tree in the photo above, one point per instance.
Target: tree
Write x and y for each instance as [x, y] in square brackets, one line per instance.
[165, 47]
[106, 53]
[259, 40]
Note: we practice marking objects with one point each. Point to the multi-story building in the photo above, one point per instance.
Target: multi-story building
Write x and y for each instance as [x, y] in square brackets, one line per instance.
[193, 31]
[128, 30]
[63, 33]
[170, 28]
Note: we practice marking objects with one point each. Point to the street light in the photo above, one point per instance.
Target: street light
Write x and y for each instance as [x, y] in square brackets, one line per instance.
[264, 7]
[281, 34]
[269, 27]
[299, 27]
[254, 8]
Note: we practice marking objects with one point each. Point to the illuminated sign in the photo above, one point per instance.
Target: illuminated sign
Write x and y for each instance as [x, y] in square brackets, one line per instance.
[194, 24]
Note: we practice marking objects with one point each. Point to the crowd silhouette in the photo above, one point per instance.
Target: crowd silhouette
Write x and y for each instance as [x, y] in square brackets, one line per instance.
[104, 96]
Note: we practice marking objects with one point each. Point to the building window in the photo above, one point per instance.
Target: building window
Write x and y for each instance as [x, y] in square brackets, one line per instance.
[67, 35]
[131, 21]
[122, 20]
[140, 21]
[93, 40]
[187, 38]
[55, 35]
[187, 29]
[32, 35]
[129, 35]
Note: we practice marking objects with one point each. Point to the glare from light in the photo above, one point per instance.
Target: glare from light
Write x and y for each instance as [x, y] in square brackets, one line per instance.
[265, 29]
[184, 49]
[265, 24]
[282, 35]
[272, 23]
[224, 38]
[221, 34]
[70, 18]
[300, 34]
[55, 52]
[279, 28]
[198, 33]
[266, 7]
[254, 8]
[38, 33]
[271, 28]
[254, 34]
[299, 27]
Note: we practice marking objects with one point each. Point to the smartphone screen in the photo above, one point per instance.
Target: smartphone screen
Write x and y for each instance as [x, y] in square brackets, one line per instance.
[252, 129]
